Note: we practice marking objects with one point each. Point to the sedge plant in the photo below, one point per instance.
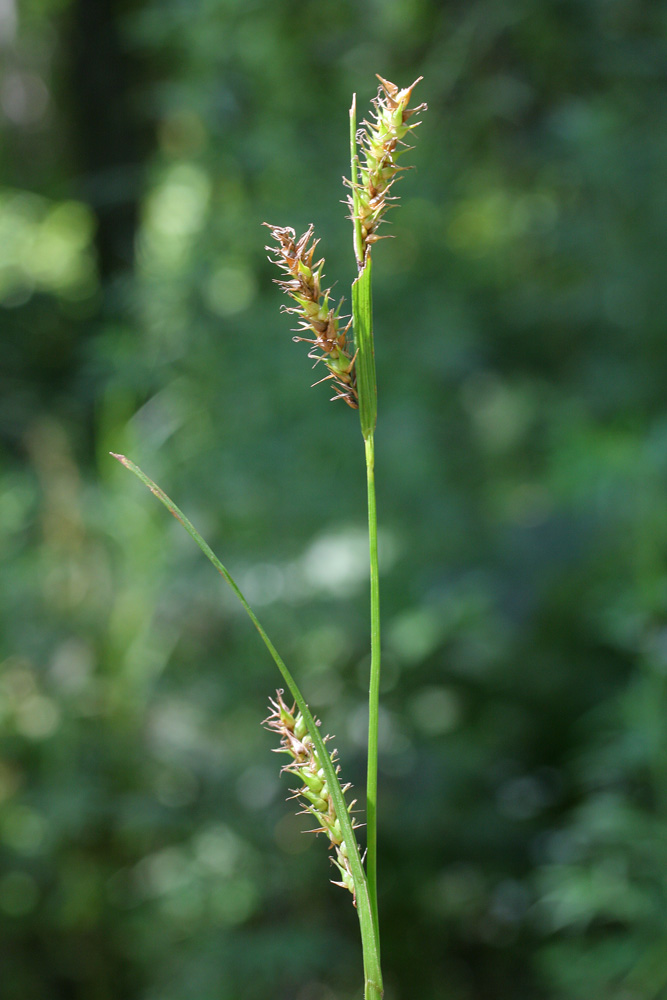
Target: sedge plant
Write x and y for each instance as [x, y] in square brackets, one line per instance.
[346, 352]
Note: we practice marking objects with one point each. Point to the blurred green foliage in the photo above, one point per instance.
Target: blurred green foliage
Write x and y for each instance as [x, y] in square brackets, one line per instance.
[146, 850]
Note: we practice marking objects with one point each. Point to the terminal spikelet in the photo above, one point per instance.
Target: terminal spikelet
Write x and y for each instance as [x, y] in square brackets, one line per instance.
[381, 143]
[318, 318]
[295, 741]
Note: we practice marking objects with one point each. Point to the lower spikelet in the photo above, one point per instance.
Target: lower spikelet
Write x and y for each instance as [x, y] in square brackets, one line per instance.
[295, 741]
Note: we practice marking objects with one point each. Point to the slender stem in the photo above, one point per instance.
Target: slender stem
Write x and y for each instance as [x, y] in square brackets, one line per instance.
[374, 689]
[354, 174]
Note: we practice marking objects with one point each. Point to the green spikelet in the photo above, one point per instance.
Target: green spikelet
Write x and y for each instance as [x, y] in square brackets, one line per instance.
[296, 742]
[381, 143]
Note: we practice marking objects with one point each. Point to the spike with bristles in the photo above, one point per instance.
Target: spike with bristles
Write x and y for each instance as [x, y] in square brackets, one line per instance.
[306, 766]
[316, 316]
[379, 141]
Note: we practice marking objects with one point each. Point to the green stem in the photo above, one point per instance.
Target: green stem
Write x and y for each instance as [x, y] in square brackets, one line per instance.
[367, 922]
[354, 175]
[374, 690]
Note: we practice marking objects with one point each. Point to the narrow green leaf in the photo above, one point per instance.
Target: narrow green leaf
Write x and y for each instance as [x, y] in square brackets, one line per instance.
[361, 887]
[362, 315]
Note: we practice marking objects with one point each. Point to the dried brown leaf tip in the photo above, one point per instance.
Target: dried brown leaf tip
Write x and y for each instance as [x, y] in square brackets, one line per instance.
[319, 320]
[381, 143]
[296, 742]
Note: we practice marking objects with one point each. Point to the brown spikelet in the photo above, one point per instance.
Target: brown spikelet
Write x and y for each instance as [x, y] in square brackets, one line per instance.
[317, 318]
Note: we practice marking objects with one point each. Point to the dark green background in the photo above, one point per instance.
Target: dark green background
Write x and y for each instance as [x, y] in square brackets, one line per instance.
[147, 852]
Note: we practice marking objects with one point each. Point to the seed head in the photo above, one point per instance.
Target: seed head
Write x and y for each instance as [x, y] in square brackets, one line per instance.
[381, 143]
[295, 741]
[317, 316]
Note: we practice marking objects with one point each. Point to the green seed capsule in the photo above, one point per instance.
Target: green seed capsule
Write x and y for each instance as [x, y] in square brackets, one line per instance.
[318, 803]
[313, 781]
[300, 727]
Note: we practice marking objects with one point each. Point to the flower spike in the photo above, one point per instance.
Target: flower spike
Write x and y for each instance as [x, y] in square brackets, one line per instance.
[379, 141]
[296, 742]
[316, 316]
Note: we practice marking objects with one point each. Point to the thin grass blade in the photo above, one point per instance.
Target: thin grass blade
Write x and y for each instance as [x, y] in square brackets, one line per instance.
[358, 874]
